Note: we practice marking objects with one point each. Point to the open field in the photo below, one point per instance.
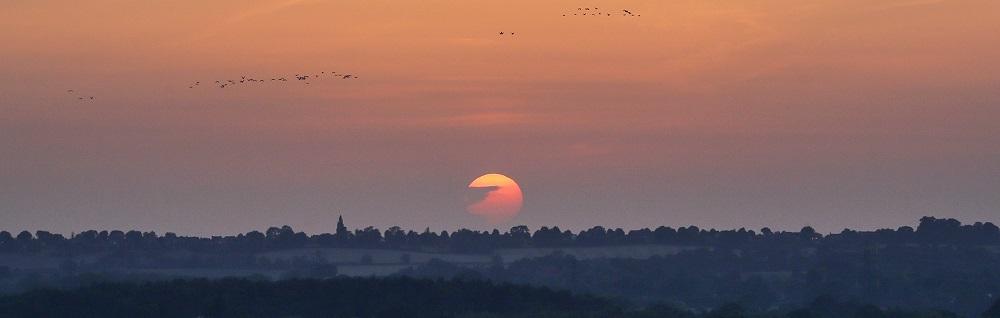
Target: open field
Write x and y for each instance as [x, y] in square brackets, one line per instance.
[381, 256]
[352, 262]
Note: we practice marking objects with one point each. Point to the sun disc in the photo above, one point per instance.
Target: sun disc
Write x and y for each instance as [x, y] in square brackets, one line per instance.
[503, 199]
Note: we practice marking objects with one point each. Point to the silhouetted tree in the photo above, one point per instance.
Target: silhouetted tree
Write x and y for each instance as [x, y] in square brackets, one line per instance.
[808, 233]
[993, 311]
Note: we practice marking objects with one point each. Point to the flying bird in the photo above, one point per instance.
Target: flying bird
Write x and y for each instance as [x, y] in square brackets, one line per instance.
[247, 79]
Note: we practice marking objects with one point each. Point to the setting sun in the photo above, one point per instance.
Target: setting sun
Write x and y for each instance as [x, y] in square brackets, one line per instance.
[503, 198]
[685, 158]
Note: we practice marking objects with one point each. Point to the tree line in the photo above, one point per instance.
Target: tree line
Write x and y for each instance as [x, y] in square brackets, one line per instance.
[383, 297]
[930, 230]
[963, 280]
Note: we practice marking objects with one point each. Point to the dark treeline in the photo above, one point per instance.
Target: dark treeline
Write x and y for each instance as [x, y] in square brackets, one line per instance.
[940, 264]
[379, 297]
[930, 231]
[342, 297]
[960, 280]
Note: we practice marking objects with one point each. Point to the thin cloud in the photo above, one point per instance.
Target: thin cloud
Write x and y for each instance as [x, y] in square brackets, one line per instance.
[476, 194]
[262, 10]
[241, 16]
[907, 4]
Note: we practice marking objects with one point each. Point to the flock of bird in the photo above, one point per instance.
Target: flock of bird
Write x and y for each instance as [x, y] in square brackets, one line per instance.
[595, 11]
[80, 97]
[305, 78]
[587, 11]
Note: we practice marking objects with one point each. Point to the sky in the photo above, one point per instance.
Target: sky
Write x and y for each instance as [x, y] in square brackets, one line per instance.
[721, 114]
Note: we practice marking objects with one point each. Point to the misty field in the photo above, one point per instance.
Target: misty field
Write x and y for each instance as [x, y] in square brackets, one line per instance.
[350, 261]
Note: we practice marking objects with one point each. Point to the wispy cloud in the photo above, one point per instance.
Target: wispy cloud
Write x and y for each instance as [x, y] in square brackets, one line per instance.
[261, 10]
[906, 4]
[241, 16]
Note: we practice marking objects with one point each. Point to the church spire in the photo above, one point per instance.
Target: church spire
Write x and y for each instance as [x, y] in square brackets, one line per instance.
[341, 229]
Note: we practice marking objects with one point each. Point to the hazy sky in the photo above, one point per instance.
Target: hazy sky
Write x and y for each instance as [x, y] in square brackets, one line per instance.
[784, 113]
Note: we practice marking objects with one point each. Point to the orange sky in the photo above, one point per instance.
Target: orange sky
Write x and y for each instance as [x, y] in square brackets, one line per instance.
[716, 113]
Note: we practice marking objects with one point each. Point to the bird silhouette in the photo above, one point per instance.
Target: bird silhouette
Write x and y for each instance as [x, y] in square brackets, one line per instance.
[597, 12]
[246, 80]
[79, 96]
